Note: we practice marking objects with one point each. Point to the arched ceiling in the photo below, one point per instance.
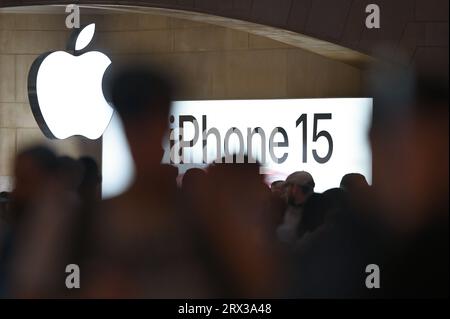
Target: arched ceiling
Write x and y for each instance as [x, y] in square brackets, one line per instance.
[332, 28]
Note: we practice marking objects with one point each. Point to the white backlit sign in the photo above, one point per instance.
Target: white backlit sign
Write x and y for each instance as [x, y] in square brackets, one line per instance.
[65, 90]
[326, 137]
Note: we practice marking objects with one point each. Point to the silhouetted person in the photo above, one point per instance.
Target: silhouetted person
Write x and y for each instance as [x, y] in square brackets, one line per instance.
[89, 193]
[193, 179]
[32, 167]
[193, 190]
[142, 245]
[170, 183]
[299, 186]
[238, 222]
[332, 258]
[313, 215]
[278, 204]
[409, 138]
[70, 173]
[44, 206]
[359, 194]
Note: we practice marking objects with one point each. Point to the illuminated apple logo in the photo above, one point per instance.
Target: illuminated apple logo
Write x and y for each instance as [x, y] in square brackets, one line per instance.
[65, 90]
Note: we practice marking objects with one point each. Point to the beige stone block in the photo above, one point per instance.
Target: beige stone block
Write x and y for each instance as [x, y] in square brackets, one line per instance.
[134, 42]
[118, 22]
[198, 74]
[155, 41]
[127, 22]
[305, 74]
[118, 42]
[24, 116]
[7, 115]
[259, 42]
[6, 41]
[6, 21]
[42, 22]
[23, 65]
[209, 39]
[7, 150]
[161, 61]
[151, 22]
[195, 74]
[7, 78]
[34, 42]
[98, 19]
[219, 80]
[256, 74]
[344, 81]
[311, 75]
[184, 24]
[28, 137]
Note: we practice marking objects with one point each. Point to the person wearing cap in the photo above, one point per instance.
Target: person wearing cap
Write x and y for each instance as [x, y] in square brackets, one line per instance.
[299, 186]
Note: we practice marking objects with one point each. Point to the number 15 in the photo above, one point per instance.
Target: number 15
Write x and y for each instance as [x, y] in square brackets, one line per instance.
[316, 135]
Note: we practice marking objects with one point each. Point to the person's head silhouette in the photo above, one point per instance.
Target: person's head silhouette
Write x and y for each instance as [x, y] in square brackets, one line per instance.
[353, 182]
[142, 96]
[299, 186]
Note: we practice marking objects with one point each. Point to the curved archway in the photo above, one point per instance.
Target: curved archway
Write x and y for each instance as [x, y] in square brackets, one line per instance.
[245, 16]
[416, 31]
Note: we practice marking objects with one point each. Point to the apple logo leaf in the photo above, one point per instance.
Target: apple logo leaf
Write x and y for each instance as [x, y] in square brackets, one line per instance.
[84, 37]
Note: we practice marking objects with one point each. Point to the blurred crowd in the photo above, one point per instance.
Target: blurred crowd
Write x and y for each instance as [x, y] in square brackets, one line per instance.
[223, 232]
